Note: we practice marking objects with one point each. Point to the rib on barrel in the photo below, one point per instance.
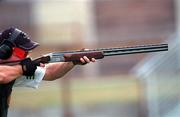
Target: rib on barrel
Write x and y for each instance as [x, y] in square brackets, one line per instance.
[135, 50]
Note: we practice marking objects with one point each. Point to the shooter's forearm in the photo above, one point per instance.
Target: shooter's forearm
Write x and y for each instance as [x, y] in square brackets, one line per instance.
[9, 73]
[57, 70]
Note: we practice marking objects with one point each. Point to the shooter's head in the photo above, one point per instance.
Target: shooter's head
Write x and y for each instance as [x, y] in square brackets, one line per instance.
[14, 42]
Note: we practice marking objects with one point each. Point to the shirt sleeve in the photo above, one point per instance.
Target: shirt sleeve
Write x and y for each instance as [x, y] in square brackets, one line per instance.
[33, 81]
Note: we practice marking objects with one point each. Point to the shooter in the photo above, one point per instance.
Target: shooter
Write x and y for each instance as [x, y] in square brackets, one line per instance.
[15, 45]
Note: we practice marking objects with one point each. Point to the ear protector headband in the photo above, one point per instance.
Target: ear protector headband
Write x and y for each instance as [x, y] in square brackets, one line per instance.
[6, 48]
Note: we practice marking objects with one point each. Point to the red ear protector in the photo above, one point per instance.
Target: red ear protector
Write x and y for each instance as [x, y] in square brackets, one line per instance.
[19, 52]
[6, 48]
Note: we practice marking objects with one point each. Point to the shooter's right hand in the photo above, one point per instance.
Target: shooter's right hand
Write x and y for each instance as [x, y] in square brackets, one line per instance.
[28, 67]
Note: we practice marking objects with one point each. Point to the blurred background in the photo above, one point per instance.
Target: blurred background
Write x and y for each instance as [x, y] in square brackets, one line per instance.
[141, 85]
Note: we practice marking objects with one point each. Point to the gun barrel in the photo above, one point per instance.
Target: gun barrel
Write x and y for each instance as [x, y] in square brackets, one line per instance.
[135, 50]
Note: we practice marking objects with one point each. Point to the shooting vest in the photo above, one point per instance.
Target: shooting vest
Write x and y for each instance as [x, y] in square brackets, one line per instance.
[5, 92]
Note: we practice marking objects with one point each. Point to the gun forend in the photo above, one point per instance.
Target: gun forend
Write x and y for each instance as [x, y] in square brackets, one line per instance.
[89, 54]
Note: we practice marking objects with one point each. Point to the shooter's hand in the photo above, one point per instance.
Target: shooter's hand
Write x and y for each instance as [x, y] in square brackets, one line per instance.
[28, 67]
[84, 60]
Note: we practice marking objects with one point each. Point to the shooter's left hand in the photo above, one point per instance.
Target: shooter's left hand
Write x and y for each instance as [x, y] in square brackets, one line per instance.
[84, 60]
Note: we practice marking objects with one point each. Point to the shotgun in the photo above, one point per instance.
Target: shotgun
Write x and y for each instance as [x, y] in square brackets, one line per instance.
[74, 56]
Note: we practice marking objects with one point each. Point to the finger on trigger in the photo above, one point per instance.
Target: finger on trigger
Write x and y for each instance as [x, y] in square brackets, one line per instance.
[42, 65]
